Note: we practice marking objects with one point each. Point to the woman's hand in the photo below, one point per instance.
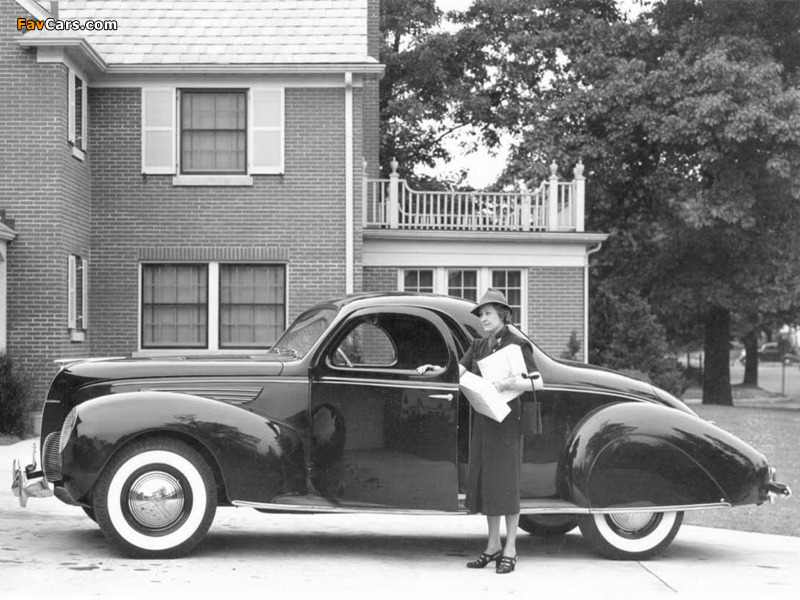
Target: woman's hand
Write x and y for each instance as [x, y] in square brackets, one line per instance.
[425, 368]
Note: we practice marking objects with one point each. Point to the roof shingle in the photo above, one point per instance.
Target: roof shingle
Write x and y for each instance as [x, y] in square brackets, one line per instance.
[218, 32]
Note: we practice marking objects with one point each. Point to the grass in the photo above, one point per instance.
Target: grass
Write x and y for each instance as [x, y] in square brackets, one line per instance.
[768, 422]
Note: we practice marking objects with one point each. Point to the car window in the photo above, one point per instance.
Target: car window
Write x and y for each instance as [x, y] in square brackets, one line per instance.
[390, 340]
[365, 345]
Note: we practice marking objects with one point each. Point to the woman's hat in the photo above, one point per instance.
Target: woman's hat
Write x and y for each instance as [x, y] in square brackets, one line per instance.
[492, 296]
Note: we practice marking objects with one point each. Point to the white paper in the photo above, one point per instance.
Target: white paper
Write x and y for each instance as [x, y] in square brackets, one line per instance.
[484, 397]
[506, 362]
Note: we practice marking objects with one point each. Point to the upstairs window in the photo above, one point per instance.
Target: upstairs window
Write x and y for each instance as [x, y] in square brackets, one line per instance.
[213, 137]
[77, 92]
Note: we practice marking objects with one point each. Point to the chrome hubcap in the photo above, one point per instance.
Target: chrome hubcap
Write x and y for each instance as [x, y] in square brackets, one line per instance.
[156, 500]
[631, 522]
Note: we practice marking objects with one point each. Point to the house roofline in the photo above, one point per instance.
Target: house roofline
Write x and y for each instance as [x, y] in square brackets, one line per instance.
[269, 68]
[83, 47]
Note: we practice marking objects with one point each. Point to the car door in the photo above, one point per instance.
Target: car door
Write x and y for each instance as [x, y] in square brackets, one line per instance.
[383, 436]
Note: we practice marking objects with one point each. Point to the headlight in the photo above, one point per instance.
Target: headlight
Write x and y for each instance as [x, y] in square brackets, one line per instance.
[67, 427]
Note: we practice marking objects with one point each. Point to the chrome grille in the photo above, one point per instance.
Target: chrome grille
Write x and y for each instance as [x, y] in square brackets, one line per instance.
[51, 458]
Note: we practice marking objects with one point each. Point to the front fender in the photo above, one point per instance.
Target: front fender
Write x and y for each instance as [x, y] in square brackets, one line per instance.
[636, 455]
[258, 458]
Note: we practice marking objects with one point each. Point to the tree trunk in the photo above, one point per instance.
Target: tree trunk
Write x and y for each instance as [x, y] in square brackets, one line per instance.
[716, 371]
[751, 360]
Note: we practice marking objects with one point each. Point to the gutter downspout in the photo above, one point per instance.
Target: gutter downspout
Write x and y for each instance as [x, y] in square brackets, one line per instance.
[349, 258]
[586, 302]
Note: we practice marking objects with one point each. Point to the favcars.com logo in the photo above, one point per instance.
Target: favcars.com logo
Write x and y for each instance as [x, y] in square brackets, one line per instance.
[52, 24]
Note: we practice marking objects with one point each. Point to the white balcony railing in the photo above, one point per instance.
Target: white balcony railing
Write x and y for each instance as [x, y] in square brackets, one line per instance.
[554, 205]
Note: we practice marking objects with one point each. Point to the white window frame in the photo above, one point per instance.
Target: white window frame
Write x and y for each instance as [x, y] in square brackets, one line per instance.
[213, 342]
[77, 319]
[440, 282]
[79, 146]
[269, 123]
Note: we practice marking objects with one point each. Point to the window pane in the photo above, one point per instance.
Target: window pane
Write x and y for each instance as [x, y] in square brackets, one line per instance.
[252, 308]
[174, 306]
[463, 284]
[510, 283]
[213, 132]
[418, 280]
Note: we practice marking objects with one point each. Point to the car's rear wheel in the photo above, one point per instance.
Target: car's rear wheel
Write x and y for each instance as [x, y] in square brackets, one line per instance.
[156, 499]
[631, 535]
[547, 525]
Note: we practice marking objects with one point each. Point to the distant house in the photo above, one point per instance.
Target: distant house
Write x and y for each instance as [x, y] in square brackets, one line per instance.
[190, 175]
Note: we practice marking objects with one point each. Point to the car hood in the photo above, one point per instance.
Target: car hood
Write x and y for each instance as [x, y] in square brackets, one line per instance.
[175, 366]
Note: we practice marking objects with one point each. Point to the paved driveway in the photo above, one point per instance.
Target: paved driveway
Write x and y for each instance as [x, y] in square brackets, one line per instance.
[50, 550]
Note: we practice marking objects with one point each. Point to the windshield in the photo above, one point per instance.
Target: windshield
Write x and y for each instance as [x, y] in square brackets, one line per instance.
[305, 331]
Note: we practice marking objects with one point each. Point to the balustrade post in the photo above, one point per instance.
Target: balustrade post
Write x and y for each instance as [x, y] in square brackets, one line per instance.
[552, 204]
[525, 208]
[394, 193]
[580, 196]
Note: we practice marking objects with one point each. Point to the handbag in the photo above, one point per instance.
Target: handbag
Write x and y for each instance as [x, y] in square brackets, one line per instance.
[532, 418]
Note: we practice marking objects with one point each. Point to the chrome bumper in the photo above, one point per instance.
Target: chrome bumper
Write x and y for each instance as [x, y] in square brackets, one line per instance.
[773, 490]
[29, 482]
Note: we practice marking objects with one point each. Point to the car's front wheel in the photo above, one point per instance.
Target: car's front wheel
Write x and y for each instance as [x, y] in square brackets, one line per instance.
[156, 499]
[631, 535]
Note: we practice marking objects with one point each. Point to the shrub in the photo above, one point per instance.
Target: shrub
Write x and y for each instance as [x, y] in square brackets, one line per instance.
[15, 398]
[573, 347]
[626, 336]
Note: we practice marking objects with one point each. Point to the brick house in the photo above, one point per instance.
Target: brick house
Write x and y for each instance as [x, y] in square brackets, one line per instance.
[190, 175]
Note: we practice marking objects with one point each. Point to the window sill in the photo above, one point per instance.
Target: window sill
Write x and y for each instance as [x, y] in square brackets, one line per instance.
[76, 335]
[78, 153]
[212, 180]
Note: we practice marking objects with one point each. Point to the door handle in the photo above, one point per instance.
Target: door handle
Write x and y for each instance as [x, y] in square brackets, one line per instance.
[448, 397]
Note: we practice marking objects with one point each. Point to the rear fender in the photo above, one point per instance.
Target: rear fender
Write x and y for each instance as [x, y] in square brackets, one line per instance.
[635, 454]
[258, 458]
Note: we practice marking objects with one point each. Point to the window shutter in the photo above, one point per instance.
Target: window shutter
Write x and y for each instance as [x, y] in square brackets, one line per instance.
[71, 103]
[266, 131]
[85, 294]
[71, 292]
[158, 130]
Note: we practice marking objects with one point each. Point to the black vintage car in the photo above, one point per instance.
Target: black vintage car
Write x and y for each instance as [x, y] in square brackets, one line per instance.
[335, 418]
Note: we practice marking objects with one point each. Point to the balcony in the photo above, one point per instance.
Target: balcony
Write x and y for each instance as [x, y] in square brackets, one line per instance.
[554, 206]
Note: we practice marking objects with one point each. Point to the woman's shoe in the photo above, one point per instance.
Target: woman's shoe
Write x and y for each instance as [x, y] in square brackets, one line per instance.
[484, 559]
[506, 564]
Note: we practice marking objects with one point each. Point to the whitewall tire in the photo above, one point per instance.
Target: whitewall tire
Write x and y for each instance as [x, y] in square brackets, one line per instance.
[156, 499]
[631, 535]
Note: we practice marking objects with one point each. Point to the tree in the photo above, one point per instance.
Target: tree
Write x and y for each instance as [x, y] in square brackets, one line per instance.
[423, 98]
[688, 122]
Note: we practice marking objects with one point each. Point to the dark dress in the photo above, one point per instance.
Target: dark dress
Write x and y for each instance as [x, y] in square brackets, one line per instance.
[495, 450]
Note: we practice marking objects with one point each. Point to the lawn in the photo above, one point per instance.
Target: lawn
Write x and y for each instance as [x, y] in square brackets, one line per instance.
[772, 427]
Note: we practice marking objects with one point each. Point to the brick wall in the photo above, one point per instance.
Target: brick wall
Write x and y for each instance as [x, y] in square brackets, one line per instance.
[300, 213]
[46, 191]
[555, 307]
[380, 279]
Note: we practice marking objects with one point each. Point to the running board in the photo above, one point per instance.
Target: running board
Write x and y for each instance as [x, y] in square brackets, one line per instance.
[552, 506]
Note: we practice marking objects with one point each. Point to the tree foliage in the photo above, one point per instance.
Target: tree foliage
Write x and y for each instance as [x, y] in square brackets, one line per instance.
[686, 117]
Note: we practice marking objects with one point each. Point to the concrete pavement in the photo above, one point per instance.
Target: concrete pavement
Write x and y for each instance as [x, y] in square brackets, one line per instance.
[50, 549]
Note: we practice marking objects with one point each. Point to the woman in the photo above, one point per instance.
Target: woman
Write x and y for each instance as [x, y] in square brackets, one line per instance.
[495, 452]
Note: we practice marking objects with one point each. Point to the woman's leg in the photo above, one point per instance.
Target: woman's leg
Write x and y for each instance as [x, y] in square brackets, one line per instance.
[493, 544]
[510, 548]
